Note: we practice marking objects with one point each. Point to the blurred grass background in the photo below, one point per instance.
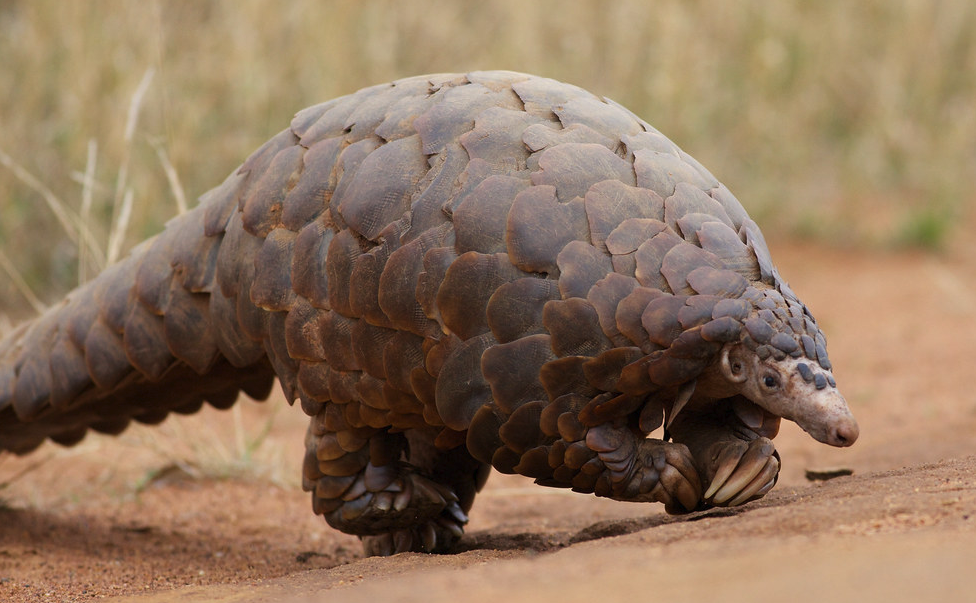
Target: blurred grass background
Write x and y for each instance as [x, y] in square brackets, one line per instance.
[848, 122]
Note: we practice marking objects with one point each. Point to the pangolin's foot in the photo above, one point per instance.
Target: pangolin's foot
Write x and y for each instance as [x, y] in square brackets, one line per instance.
[437, 535]
[738, 471]
[408, 512]
[364, 482]
[642, 469]
[733, 450]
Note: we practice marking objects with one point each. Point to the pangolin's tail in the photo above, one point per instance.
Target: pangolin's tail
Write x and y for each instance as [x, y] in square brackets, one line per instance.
[162, 331]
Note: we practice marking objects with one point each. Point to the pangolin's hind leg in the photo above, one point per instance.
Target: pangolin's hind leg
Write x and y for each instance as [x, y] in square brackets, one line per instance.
[454, 471]
[393, 490]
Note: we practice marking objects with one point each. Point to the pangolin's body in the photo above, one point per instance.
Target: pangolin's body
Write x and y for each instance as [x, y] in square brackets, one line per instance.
[452, 272]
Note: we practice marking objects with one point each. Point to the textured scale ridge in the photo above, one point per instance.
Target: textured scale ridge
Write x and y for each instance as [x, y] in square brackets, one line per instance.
[451, 273]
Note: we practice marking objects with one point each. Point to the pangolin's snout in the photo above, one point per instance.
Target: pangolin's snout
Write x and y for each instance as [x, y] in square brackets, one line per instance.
[843, 433]
[826, 417]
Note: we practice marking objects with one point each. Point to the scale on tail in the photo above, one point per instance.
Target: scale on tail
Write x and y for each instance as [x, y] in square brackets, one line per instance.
[453, 273]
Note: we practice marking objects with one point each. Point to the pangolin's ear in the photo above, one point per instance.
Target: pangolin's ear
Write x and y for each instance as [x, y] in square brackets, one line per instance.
[733, 366]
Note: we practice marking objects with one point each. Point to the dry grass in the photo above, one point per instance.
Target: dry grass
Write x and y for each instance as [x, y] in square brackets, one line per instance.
[260, 442]
[851, 121]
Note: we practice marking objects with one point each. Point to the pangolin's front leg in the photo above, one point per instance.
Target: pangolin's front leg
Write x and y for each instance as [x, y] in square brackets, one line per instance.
[731, 442]
[641, 469]
[612, 460]
[720, 455]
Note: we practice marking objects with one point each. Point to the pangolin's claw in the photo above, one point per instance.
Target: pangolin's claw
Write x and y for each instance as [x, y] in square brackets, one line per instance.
[761, 484]
[679, 484]
[687, 494]
[407, 498]
[416, 497]
[723, 466]
[437, 535]
[410, 513]
[741, 471]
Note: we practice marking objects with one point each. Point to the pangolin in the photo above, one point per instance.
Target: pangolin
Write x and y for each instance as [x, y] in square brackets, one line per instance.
[453, 273]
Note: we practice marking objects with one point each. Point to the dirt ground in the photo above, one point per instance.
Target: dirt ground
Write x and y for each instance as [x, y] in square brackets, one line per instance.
[188, 512]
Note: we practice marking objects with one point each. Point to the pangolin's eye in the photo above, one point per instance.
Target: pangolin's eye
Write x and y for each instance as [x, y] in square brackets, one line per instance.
[770, 382]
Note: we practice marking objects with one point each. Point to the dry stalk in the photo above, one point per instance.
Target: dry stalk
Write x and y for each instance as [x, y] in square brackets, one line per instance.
[72, 224]
[119, 225]
[172, 176]
[84, 214]
[20, 284]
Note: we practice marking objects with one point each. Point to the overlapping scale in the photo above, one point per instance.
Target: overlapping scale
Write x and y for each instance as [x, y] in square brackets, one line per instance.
[515, 309]
[445, 121]
[574, 327]
[497, 138]
[662, 172]
[481, 219]
[611, 202]
[541, 136]
[581, 265]
[605, 296]
[262, 204]
[379, 191]
[272, 286]
[461, 387]
[512, 370]
[539, 227]
[468, 284]
[572, 168]
[309, 198]
[649, 260]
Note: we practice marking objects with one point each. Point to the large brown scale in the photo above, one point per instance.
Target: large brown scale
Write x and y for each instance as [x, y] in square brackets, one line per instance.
[453, 272]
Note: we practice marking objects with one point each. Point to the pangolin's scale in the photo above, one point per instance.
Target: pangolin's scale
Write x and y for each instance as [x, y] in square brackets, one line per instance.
[490, 261]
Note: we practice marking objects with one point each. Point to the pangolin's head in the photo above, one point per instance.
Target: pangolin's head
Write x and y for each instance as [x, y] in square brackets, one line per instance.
[796, 389]
[761, 349]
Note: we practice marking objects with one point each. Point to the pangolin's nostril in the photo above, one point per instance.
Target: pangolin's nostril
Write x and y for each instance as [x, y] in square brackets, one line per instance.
[845, 434]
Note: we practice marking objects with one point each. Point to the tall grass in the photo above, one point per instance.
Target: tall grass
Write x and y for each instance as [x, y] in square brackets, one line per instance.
[848, 121]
